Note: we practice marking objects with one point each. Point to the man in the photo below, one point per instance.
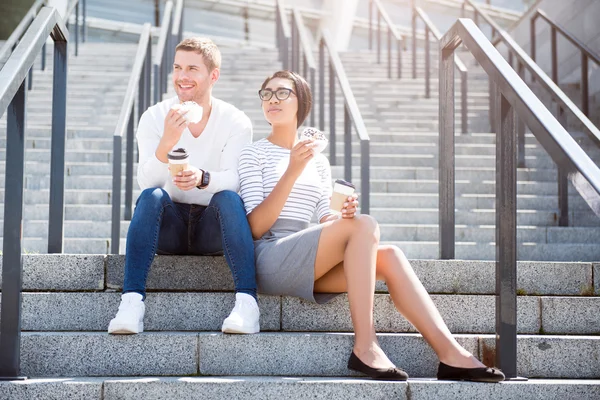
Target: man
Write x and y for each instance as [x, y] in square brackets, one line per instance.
[198, 211]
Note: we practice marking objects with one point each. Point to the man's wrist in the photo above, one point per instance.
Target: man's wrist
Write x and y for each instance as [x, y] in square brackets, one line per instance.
[204, 180]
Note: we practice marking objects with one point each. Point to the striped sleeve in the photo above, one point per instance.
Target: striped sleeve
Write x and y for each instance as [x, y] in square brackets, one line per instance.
[251, 179]
[326, 190]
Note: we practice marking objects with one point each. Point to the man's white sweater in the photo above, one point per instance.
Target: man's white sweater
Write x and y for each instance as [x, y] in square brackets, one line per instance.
[216, 150]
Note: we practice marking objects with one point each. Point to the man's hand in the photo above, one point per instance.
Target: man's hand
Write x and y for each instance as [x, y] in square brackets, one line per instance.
[188, 179]
[175, 123]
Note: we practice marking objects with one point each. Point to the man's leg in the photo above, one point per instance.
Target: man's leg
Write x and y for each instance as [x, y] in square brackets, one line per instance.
[223, 226]
[155, 223]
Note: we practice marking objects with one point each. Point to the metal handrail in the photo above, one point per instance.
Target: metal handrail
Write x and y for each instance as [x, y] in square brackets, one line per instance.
[352, 116]
[139, 82]
[282, 33]
[15, 36]
[417, 12]
[160, 58]
[514, 97]
[301, 49]
[13, 39]
[391, 29]
[586, 54]
[13, 95]
[563, 103]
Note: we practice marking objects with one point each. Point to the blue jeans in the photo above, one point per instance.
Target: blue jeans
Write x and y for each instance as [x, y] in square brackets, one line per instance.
[159, 225]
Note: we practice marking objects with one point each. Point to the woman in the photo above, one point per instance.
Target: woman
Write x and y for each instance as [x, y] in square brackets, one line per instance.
[283, 184]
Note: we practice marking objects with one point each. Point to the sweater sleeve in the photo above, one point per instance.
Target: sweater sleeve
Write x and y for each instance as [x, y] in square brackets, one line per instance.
[227, 178]
[326, 190]
[251, 179]
[151, 171]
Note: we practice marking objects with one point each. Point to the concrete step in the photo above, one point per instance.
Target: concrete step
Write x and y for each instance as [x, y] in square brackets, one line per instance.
[483, 233]
[272, 388]
[578, 252]
[96, 273]
[54, 354]
[206, 311]
[487, 251]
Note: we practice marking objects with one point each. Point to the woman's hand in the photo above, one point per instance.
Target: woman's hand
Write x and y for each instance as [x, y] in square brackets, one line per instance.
[300, 155]
[350, 207]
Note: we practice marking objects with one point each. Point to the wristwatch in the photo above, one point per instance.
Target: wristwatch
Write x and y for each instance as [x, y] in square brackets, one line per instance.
[205, 180]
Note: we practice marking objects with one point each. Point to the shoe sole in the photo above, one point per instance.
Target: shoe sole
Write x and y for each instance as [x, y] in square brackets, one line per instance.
[244, 330]
[125, 329]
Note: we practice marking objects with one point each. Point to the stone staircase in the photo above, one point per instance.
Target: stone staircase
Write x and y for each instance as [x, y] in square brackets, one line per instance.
[301, 353]
[302, 350]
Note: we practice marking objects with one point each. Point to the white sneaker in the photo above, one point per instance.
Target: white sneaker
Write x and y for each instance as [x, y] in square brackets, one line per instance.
[244, 316]
[130, 317]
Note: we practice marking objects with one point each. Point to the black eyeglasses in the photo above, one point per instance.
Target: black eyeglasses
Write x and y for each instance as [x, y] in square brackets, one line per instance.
[281, 94]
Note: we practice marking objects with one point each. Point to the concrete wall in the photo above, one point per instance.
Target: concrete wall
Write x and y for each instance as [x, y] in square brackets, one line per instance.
[582, 19]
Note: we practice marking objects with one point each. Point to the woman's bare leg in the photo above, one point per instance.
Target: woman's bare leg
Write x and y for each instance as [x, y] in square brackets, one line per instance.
[412, 301]
[355, 242]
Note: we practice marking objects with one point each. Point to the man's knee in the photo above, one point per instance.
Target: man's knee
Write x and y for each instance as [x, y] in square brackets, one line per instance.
[152, 197]
[226, 199]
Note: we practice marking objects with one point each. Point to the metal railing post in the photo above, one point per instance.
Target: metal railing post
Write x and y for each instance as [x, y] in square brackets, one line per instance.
[370, 24]
[129, 169]
[44, 57]
[400, 59]
[554, 55]
[414, 42]
[115, 235]
[30, 79]
[312, 84]
[506, 239]
[12, 259]
[446, 155]
[464, 106]
[520, 127]
[295, 47]
[347, 145]
[57, 157]
[84, 23]
[427, 64]
[389, 49]
[562, 179]
[585, 99]
[321, 86]
[532, 37]
[332, 144]
[77, 29]
[365, 179]
[378, 36]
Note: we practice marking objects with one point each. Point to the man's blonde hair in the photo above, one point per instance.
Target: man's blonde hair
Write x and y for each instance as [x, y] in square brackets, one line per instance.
[206, 48]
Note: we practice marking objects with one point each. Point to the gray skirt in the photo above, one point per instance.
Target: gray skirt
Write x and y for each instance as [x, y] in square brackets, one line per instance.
[285, 260]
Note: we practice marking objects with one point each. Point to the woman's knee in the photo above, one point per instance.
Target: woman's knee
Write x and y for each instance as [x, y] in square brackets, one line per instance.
[367, 225]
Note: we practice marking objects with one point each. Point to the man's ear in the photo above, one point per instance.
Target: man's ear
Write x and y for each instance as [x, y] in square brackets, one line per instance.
[214, 75]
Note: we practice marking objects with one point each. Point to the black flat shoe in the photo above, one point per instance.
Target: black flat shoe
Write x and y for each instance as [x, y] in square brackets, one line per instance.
[448, 373]
[386, 374]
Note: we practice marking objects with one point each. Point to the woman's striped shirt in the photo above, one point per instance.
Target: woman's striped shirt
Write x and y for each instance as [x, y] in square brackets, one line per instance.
[261, 166]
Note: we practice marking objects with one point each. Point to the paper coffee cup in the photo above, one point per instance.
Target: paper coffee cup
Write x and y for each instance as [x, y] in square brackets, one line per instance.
[178, 160]
[341, 191]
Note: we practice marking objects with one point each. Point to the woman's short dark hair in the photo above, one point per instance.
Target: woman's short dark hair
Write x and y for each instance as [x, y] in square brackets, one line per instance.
[302, 90]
